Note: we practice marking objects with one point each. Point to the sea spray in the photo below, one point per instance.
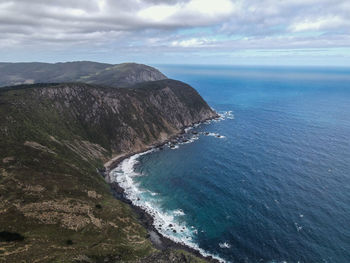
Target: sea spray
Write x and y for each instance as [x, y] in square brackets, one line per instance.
[166, 222]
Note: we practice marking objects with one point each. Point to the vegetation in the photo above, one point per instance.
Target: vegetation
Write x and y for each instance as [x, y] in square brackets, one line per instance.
[54, 205]
[121, 75]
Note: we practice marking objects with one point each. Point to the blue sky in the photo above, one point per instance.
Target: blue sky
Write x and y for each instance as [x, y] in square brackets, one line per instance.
[239, 32]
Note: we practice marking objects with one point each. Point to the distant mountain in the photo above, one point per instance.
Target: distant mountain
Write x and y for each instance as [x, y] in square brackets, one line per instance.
[119, 75]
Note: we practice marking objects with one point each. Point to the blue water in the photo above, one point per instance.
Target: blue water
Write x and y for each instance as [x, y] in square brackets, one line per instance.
[277, 187]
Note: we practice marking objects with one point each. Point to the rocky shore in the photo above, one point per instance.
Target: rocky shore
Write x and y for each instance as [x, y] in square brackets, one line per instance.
[147, 221]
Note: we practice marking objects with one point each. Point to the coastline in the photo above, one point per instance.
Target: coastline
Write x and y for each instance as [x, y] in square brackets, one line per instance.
[158, 240]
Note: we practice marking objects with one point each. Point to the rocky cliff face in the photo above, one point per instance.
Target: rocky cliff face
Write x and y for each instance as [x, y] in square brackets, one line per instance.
[128, 120]
[120, 75]
[53, 203]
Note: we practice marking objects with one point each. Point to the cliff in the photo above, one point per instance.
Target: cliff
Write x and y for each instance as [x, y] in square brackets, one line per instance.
[55, 206]
[120, 75]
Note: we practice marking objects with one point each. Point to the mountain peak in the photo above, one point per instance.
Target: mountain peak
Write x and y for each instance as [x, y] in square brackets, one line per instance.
[114, 75]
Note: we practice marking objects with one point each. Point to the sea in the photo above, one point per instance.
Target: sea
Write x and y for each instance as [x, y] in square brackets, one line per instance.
[267, 182]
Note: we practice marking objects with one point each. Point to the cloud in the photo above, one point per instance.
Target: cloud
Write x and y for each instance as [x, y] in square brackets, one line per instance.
[192, 43]
[158, 13]
[321, 23]
[172, 26]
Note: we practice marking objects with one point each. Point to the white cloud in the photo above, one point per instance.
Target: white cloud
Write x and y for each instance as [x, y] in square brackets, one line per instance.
[190, 43]
[210, 7]
[189, 13]
[171, 26]
[158, 13]
[318, 24]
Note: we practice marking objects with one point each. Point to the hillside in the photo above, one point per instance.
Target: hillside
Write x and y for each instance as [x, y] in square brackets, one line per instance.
[120, 75]
[55, 206]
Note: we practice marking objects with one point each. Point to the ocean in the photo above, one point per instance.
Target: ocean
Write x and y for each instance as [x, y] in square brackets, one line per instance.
[269, 181]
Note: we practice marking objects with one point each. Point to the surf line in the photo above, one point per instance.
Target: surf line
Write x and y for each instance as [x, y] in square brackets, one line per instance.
[166, 223]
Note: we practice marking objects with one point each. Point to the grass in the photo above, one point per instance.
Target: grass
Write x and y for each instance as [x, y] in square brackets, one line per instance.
[54, 206]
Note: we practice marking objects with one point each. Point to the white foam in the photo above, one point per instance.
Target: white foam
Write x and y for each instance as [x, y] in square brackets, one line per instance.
[174, 146]
[179, 212]
[216, 135]
[166, 222]
[190, 140]
[223, 115]
[226, 115]
[224, 245]
[298, 227]
[152, 193]
[188, 129]
[229, 115]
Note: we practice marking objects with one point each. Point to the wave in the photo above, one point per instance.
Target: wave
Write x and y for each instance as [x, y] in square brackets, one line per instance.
[224, 245]
[188, 129]
[165, 221]
[174, 146]
[169, 223]
[223, 115]
[216, 135]
[229, 115]
[179, 212]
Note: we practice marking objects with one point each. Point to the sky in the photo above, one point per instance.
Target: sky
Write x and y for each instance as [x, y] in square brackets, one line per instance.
[238, 32]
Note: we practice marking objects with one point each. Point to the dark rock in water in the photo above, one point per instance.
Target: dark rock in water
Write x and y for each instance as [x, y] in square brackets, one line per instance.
[184, 140]
[161, 148]
[170, 225]
[218, 136]
[174, 230]
[172, 146]
[194, 132]
[138, 199]
[206, 133]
